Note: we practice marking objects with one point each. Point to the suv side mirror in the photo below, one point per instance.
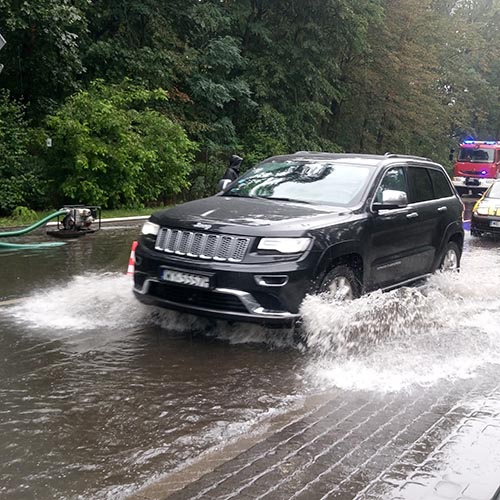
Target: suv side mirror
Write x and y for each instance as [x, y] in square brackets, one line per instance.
[452, 154]
[391, 199]
[223, 184]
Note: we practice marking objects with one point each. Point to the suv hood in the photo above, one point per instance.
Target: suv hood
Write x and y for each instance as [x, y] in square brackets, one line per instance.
[249, 216]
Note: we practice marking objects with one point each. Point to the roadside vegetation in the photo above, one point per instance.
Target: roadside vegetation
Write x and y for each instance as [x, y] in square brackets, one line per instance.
[140, 102]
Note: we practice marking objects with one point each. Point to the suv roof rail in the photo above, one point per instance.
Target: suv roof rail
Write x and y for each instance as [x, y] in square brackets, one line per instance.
[310, 152]
[395, 155]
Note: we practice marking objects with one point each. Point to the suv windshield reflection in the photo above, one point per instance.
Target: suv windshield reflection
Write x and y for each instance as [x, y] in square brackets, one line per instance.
[318, 182]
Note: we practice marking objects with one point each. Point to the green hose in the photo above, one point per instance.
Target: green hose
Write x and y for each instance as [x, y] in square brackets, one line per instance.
[32, 245]
[28, 229]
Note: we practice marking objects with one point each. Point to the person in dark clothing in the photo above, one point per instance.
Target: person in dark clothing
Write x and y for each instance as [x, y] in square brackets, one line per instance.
[233, 171]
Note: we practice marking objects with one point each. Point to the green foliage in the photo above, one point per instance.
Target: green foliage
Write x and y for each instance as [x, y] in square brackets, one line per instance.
[42, 57]
[255, 77]
[216, 85]
[112, 148]
[20, 182]
[23, 215]
[266, 136]
[204, 178]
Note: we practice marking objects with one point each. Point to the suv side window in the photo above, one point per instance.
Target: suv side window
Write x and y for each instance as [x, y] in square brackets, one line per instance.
[394, 179]
[441, 185]
[421, 184]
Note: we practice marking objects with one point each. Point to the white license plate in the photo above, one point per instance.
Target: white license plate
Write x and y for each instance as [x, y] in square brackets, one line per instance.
[494, 223]
[185, 278]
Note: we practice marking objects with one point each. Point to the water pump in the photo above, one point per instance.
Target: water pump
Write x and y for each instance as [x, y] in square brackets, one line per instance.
[78, 221]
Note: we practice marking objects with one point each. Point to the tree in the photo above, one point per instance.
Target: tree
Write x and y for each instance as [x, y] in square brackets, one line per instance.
[42, 57]
[20, 180]
[394, 99]
[473, 69]
[113, 148]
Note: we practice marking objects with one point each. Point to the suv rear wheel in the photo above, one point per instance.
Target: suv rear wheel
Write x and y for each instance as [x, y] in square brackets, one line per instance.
[341, 284]
[451, 257]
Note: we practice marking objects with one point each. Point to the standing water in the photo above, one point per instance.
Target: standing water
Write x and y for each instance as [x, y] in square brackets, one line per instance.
[99, 394]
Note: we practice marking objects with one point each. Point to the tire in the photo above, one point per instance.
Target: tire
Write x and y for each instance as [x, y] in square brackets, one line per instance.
[475, 233]
[341, 284]
[451, 257]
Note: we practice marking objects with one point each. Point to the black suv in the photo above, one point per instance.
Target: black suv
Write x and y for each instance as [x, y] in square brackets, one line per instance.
[303, 223]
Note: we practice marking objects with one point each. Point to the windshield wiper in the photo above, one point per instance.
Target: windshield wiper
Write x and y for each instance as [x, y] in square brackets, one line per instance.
[236, 195]
[293, 200]
[284, 199]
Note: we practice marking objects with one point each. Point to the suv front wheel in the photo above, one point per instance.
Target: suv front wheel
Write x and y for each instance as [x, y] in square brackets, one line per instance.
[340, 284]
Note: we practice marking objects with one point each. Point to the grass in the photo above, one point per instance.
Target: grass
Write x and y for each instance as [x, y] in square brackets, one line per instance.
[29, 217]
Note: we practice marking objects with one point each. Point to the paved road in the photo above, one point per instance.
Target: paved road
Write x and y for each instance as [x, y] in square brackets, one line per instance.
[436, 443]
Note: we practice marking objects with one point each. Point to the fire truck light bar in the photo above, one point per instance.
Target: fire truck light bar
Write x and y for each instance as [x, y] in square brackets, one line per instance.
[489, 143]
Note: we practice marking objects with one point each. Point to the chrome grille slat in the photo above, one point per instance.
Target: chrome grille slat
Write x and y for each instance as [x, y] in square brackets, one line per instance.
[172, 241]
[196, 245]
[222, 252]
[241, 245]
[210, 245]
[161, 239]
[183, 245]
[205, 246]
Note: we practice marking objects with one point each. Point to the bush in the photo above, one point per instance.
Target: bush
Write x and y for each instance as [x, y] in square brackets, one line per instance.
[110, 147]
[23, 215]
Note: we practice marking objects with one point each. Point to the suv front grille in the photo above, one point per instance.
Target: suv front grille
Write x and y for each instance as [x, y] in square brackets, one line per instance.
[202, 245]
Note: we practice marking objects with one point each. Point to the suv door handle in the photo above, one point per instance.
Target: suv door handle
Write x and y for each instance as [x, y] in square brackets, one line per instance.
[442, 209]
[412, 215]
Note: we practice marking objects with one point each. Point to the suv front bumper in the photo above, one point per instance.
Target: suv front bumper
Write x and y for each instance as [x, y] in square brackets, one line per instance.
[485, 223]
[222, 305]
[472, 183]
[240, 292]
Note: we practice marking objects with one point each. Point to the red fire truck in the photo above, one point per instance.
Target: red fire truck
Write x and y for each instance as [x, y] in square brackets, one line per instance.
[477, 166]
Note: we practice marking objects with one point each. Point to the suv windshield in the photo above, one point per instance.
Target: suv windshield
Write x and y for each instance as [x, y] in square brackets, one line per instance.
[476, 155]
[307, 181]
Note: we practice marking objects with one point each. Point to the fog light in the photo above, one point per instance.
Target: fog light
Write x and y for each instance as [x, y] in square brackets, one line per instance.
[271, 279]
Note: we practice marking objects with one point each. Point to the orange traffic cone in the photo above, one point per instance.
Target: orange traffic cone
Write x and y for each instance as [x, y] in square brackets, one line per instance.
[131, 260]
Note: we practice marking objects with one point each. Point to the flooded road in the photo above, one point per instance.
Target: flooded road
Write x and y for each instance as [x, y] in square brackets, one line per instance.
[99, 394]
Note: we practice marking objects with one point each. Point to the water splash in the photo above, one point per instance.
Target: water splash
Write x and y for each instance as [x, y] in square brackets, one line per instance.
[86, 302]
[105, 301]
[445, 329]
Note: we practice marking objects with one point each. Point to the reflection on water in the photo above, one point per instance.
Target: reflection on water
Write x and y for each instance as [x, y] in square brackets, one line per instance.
[99, 393]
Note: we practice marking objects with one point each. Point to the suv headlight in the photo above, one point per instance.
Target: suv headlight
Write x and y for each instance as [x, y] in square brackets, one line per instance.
[150, 228]
[284, 245]
[482, 210]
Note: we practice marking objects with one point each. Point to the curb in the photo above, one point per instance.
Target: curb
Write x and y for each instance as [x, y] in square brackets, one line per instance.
[114, 219]
[103, 221]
